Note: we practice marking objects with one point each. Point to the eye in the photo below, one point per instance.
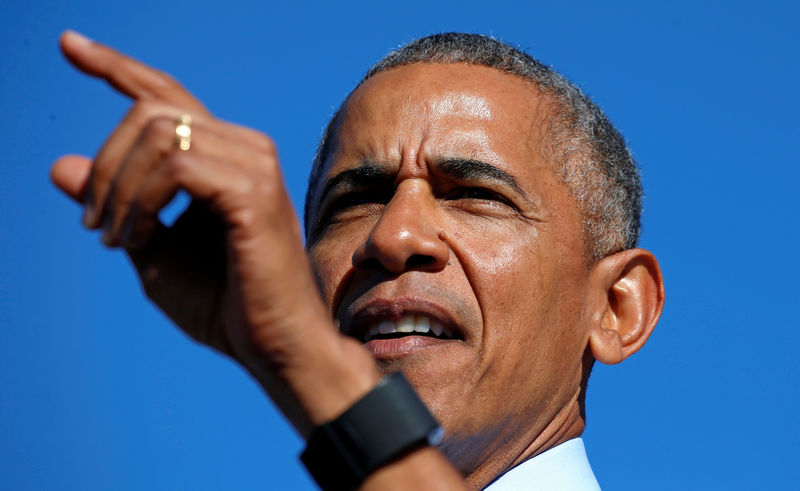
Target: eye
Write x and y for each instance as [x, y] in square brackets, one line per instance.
[481, 194]
[358, 198]
[348, 202]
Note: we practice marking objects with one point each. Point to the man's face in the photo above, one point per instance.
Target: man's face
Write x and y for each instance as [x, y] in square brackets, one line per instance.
[437, 210]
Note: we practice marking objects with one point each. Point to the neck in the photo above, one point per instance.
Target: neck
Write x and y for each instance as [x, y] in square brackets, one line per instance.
[567, 424]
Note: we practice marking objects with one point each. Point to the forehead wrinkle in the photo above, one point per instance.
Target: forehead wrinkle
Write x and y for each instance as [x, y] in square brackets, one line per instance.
[472, 144]
[417, 122]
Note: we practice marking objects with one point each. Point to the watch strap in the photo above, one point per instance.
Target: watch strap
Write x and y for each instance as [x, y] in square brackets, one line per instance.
[381, 426]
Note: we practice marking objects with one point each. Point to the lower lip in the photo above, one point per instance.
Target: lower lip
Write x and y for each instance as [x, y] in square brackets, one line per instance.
[399, 347]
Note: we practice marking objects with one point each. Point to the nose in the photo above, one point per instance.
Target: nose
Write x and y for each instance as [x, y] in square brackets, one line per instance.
[407, 236]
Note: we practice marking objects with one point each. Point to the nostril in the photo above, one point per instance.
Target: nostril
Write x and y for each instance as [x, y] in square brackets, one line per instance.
[418, 261]
[371, 264]
[415, 262]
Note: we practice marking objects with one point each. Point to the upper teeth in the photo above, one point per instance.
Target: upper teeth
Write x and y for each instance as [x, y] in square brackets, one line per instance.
[408, 323]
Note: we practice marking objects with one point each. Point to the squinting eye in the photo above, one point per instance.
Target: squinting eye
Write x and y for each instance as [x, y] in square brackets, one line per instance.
[349, 201]
[356, 199]
[479, 194]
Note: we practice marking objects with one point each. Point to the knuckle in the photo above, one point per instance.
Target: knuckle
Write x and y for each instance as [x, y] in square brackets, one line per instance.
[241, 200]
[164, 80]
[265, 144]
[159, 134]
[144, 109]
[242, 188]
[175, 165]
[243, 218]
[268, 144]
[159, 127]
[267, 166]
[263, 189]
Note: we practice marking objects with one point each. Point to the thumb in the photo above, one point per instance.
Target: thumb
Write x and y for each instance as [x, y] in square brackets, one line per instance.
[70, 174]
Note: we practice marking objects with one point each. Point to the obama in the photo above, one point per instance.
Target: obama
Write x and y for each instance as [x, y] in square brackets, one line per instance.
[471, 221]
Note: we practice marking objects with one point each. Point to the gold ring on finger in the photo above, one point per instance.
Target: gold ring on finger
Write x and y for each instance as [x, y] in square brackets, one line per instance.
[183, 132]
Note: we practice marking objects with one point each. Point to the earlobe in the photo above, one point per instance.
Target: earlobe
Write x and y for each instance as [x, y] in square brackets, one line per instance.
[631, 297]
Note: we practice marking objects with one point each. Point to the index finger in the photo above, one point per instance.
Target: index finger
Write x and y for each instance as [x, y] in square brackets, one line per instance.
[129, 76]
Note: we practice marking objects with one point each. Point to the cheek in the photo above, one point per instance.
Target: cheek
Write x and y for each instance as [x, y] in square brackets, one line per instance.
[331, 261]
[527, 287]
[502, 264]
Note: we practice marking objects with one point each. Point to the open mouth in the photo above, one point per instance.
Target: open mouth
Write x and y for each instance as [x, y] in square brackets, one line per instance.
[408, 325]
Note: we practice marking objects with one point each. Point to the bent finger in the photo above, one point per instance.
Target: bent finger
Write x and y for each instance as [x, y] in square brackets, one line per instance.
[117, 146]
[144, 156]
[202, 177]
[116, 176]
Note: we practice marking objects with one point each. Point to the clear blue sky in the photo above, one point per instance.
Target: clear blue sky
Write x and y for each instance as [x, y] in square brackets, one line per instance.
[97, 391]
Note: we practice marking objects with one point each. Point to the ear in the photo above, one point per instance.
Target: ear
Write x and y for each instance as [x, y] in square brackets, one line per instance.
[630, 300]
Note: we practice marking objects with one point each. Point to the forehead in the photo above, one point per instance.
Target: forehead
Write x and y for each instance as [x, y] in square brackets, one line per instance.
[422, 111]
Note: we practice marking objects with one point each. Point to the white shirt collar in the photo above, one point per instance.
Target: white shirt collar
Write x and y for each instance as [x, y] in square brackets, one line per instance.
[563, 468]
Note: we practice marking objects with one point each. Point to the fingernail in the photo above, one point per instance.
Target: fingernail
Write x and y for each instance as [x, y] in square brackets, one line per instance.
[77, 38]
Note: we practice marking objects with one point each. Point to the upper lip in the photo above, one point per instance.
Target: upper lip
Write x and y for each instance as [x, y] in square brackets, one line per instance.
[358, 318]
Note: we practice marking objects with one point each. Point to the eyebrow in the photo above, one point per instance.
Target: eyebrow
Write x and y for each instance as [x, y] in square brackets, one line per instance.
[362, 176]
[369, 173]
[466, 170]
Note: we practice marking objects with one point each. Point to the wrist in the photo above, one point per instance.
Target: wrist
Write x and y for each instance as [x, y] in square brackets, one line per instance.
[313, 378]
[331, 376]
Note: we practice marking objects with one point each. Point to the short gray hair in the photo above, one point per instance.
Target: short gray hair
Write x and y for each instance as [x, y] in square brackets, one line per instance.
[589, 154]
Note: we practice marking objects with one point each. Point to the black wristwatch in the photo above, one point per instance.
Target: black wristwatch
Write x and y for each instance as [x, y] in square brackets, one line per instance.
[383, 425]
